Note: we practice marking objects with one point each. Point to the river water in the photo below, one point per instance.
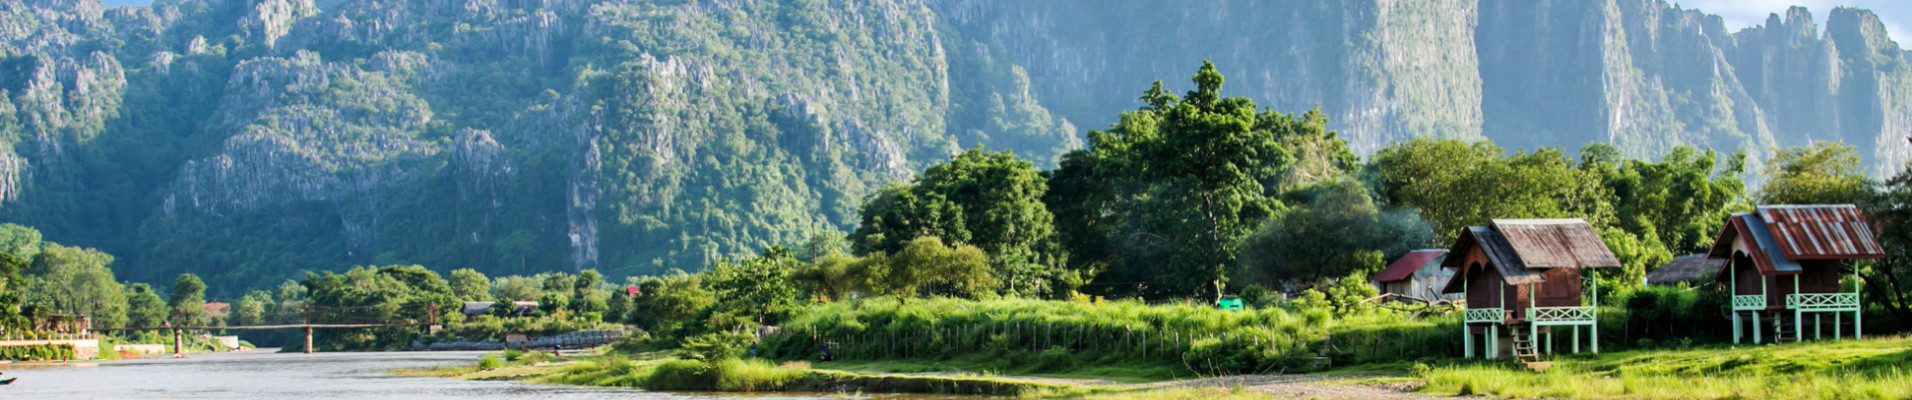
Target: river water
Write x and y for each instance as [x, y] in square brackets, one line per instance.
[262, 374]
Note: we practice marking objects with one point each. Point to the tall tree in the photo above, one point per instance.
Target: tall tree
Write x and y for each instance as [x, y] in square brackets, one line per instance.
[188, 301]
[470, 285]
[760, 286]
[992, 200]
[1824, 173]
[1173, 185]
[76, 281]
[1336, 231]
[144, 308]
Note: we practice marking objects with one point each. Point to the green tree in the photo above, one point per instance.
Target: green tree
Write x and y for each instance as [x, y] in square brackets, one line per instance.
[829, 277]
[1889, 280]
[516, 288]
[761, 285]
[251, 309]
[991, 200]
[470, 285]
[1682, 200]
[924, 266]
[144, 308]
[76, 281]
[187, 301]
[1824, 173]
[11, 319]
[20, 241]
[669, 301]
[1339, 231]
[1173, 186]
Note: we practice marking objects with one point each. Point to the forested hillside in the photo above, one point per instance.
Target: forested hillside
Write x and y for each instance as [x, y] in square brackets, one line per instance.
[247, 141]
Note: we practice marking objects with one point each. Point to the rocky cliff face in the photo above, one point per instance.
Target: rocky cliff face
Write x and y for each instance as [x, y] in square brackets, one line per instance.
[1383, 70]
[246, 140]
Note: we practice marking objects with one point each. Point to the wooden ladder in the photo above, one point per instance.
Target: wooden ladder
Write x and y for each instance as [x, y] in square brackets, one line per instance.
[1524, 348]
[1784, 325]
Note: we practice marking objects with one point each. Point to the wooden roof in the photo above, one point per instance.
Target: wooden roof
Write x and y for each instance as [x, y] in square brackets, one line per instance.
[1520, 248]
[1688, 268]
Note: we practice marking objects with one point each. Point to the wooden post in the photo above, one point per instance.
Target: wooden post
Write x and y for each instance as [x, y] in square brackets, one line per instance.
[179, 344]
[308, 340]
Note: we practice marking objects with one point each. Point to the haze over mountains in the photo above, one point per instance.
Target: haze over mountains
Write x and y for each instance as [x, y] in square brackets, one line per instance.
[249, 140]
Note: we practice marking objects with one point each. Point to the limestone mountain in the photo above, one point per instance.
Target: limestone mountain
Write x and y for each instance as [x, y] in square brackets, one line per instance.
[250, 140]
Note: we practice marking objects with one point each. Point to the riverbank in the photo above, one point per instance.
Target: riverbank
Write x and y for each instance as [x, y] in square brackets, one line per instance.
[1862, 369]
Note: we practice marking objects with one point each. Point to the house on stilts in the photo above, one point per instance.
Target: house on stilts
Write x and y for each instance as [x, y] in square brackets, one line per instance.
[1784, 262]
[1523, 280]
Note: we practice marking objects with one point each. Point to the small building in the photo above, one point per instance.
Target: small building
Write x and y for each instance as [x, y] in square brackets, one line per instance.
[1523, 278]
[1691, 269]
[632, 291]
[1783, 262]
[216, 309]
[1417, 275]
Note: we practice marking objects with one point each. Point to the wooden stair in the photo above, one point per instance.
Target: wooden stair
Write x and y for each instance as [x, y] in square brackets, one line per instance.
[1524, 348]
[1784, 327]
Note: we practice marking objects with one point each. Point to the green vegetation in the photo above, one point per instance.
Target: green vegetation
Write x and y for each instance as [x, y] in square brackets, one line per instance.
[1869, 369]
[37, 352]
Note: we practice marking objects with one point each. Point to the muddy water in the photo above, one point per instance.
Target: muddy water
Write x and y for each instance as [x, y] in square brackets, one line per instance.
[267, 375]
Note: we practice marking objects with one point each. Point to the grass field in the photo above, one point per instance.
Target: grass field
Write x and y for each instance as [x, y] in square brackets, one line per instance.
[1868, 369]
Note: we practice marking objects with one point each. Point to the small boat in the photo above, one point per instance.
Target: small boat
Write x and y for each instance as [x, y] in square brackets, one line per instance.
[8, 381]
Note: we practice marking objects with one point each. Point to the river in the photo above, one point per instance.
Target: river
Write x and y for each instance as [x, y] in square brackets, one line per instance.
[262, 374]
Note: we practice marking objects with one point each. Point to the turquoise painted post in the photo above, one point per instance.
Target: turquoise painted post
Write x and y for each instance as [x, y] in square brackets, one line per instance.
[1837, 319]
[1595, 327]
[1493, 341]
[1732, 272]
[1467, 342]
[1576, 339]
[1756, 327]
[1799, 317]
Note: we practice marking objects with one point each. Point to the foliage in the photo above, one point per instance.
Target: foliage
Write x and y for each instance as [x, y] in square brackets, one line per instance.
[37, 352]
[144, 307]
[187, 301]
[714, 347]
[379, 295]
[1164, 195]
[1338, 231]
[760, 286]
[1845, 369]
[470, 285]
[921, 266]
[1825, 173]
[991, 200]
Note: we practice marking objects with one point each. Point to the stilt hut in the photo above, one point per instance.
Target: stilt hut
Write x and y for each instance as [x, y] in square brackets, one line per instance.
[1784, 262]
[1523, 279]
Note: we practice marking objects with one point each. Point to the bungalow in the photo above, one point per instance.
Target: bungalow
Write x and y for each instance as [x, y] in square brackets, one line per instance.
[1785, 261]
[1523, 278]
[1416, 275]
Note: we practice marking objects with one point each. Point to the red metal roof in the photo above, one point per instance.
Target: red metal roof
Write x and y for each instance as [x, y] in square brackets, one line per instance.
[1820, 232]
[1405, 267]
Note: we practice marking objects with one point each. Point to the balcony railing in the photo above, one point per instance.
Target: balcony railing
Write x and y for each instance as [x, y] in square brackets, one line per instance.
[1489, 315]
[1753, 302]
[1562, 315]
[1823, 301]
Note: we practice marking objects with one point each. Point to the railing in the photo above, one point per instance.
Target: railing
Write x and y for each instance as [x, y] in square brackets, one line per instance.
[1752, 302]
[1823, 301]
[1561, 315]
[1490, 315]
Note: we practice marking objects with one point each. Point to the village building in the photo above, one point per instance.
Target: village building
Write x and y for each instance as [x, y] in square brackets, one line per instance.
[1691, 269]
[1523, 279]
[1783, 262]
[1416, 275]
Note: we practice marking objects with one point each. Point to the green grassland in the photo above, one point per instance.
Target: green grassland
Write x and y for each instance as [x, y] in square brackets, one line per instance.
[1856, 369]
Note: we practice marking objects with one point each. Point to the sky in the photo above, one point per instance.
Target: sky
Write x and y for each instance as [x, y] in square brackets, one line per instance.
[1737, 13]
[1744, 13]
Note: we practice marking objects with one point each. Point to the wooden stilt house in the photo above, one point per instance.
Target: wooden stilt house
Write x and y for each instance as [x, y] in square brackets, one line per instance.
[1523, 279]
[1784, 262]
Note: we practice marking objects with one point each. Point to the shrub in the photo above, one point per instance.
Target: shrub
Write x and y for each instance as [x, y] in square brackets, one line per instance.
[513, 355]
[490, 362]
[714, 347]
